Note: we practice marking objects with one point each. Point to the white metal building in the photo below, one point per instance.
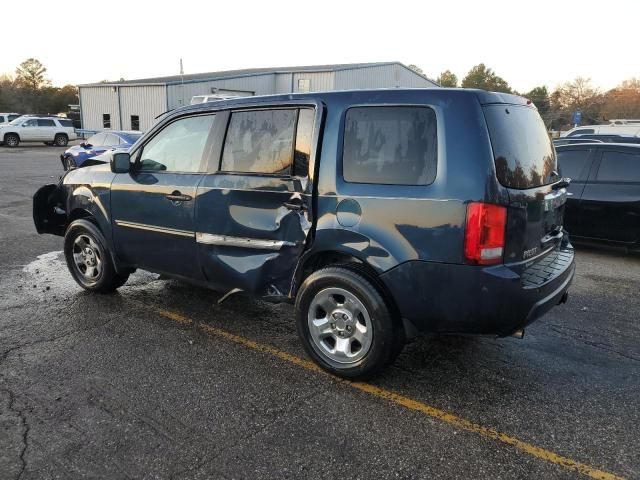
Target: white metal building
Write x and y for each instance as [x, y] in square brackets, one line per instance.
[134, 104]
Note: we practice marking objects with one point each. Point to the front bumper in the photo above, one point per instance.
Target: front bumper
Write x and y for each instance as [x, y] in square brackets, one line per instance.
[498, 300]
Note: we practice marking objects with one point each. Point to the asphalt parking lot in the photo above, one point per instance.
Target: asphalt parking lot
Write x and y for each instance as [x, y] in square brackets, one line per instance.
[159, 381]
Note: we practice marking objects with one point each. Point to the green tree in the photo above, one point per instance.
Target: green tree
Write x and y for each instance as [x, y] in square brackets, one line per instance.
[447, 79]
[578, 94]
[482, 77]
[30, 74]
[540, 97]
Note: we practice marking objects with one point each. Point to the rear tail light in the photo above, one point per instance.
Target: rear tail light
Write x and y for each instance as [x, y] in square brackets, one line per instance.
[484, 233]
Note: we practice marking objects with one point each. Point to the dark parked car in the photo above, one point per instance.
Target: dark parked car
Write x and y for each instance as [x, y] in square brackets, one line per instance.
[79, 155]
[364, 208]
[605, 188]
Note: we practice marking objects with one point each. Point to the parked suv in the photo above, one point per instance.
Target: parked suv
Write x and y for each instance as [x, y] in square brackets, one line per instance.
[381, 214]
[8, 117]
[605, 188]
[50, 130]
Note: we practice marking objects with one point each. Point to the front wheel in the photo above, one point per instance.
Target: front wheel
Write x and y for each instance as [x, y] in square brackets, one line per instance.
[88, 258]
[345, 324]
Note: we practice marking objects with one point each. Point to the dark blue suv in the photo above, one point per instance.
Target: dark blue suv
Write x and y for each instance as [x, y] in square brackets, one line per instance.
[382, 214]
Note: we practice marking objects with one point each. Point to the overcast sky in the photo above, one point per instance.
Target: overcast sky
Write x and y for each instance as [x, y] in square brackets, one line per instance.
[527, 42]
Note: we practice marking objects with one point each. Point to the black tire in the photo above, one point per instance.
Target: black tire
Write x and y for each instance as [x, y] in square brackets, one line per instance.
[61, 140]
[387, 332]
[106, 279]
[11, 140]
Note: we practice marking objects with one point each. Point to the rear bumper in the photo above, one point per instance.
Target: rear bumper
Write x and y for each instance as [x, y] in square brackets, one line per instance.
[499, 300]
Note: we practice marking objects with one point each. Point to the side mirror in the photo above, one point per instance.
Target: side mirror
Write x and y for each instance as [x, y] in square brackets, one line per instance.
[120, 162]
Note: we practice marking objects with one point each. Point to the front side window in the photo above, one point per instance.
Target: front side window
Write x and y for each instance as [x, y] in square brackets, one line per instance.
[46, 123]
[619, 167]
[260, 141]
[390, 145]
[30, 123]
[573, 164]
[179, 147]
[106, 120]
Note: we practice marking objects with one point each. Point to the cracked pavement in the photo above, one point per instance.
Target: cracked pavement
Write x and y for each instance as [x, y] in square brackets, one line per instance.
[100, 386]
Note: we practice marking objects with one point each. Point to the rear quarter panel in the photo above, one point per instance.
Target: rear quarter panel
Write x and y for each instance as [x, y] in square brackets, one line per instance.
[401, 223]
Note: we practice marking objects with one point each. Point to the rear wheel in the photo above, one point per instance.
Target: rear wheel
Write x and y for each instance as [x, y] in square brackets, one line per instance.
[88, 258]
[11, 140]
[345, 324]
[61, 140]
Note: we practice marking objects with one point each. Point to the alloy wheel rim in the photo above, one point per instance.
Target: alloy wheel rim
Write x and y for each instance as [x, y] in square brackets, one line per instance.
[87, 258]
[340, 326]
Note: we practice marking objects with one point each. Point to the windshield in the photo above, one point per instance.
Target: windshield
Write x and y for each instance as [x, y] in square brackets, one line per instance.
[17, 121]
[523, 152]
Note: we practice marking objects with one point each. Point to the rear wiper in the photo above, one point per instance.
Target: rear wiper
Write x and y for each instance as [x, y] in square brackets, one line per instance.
[562, 183]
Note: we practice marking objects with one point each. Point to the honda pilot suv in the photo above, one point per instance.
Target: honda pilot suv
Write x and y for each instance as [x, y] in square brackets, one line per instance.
[380, 214]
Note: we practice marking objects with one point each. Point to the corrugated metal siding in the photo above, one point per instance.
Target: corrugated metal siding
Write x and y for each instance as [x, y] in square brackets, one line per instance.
[283, 82]
[260, 85]
[319, 81]
[145, 101]
[95, 102]
[386, 76]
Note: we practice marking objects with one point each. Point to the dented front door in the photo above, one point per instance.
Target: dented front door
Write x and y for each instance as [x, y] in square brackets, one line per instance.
[253, 215]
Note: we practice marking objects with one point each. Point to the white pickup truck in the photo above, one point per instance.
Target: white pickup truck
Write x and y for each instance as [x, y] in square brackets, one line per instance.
[50, 130]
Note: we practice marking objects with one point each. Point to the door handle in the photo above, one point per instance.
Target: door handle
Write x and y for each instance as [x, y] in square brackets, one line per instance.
[178, 197]
[298, 206]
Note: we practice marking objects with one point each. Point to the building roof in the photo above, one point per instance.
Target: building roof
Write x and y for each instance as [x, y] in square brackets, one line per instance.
[191, 77]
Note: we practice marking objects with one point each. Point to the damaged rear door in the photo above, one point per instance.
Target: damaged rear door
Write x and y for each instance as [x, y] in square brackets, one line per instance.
[254, 209]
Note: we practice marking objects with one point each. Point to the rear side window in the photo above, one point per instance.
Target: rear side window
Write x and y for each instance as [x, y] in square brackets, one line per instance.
[522, 149]
[260, 141]
[46, 123]
[619, 167]
[66, 123]
[574, 164]
[390, 145]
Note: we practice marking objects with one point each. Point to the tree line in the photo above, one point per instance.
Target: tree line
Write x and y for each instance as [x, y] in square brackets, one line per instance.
[29, 91]
[558, 106]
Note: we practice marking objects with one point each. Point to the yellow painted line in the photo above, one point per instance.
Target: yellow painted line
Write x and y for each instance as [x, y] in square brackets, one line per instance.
[401, 400]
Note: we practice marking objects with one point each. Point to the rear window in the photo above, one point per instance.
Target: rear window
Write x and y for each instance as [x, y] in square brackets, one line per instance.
[390, 145]
[66, 123]
[522, 149]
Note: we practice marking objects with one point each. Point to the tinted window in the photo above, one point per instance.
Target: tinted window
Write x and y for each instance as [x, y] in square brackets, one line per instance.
[573, 164]
[13, 117]
[135, 122]
[66, 123]
[619, 167]
[30, 123]
[390, 145]
[582, 131]
[260, 141]
[106, 120]
[179, 146]
[522, 149]
[46, 123]
[304, 137]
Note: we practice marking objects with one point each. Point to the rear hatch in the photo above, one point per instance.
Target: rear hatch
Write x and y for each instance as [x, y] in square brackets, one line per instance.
[525, 163]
